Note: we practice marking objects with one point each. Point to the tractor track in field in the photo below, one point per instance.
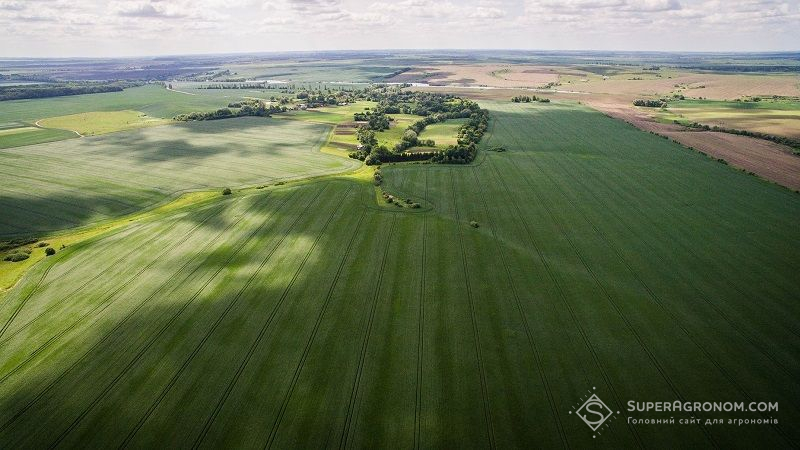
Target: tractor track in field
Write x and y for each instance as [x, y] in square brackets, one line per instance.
[70, 295]
[86, 354]
[262, 332]
[760, 347]
[29, 295]
[642, 344]
[520, 309]
[639, 339]
[657, 300]
[420, 332]
[60, 202]
[35, 288]
[173, 380]
[721, 273]
[296, 375]
[476, 334]
[354, 391]
[568, 306]
[154, 338]
[101, 306]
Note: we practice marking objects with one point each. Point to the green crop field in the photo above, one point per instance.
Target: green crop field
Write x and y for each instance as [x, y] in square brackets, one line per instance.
[776, 117]
[71, 183]
[94, 123]
[18, 134]
[603, 259]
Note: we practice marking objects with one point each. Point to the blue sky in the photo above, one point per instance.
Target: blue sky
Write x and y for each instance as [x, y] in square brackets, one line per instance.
[149, 27]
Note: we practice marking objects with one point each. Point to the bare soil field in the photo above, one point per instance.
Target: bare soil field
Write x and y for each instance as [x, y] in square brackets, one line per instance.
[771, 161]
[706, 85]
[764, 158]
[504, 76]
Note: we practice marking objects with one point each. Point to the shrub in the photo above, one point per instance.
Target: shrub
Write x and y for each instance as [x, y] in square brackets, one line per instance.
[473, 224]
[50, 251]
[415, 205]
[42, 244]
[17, 256]
[226, 191]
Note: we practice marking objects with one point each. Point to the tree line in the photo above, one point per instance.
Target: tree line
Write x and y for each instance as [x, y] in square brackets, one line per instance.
[244, 108]
[60, 90]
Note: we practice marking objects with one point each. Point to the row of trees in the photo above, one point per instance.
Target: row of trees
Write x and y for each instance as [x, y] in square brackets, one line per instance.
[60, 90]
[650, 103]
[529, 98]
[238, 109]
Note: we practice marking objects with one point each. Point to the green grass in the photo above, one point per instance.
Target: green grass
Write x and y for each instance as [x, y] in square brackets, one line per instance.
[94, 123]
[445, 133]
[780, 118]
[16, 134]
[80, 181]
[305, 316]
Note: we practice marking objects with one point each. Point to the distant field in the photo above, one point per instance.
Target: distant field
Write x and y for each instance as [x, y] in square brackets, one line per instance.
[94, 123]
[153, 100]
[17, 134]
[307, 317]
[78, 181]
[778, 118]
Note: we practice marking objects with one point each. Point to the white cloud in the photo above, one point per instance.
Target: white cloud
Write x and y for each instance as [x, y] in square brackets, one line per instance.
[196, 26]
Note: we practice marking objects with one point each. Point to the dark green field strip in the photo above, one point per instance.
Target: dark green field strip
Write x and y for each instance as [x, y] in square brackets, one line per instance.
[727, 239]
[548, 433]
[665, 258]
[38, 136]
[573, 222]
[699, 187]
[386, 406]
[734, 272]
[614, 296]
[702, 182]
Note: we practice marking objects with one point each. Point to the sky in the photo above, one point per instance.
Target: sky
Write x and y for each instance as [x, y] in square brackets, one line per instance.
[60, 28]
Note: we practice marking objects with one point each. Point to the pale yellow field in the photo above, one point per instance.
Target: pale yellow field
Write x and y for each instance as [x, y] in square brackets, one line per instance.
[102, 122]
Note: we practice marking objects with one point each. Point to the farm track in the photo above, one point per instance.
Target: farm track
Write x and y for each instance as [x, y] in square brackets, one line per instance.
[197, 349]
[531, 341]
[476, 334]
[420, 330]
[353, 400]
[306, 350]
